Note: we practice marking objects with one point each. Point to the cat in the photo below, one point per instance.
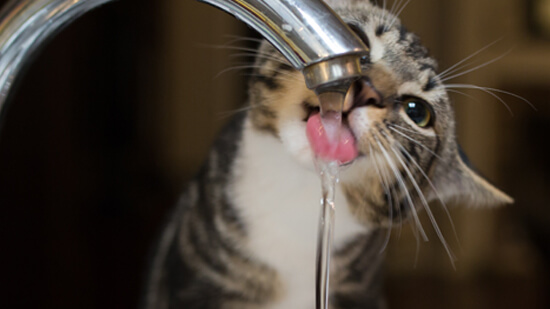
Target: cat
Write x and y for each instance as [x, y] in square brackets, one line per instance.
[244, 232]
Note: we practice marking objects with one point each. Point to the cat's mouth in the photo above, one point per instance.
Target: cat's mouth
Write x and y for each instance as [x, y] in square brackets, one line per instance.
[330, 136]
[361, 94]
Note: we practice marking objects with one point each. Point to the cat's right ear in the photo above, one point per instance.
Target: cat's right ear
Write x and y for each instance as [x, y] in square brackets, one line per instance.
[462, 183]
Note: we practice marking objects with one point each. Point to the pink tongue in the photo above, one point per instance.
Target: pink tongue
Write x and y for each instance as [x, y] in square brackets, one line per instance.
[331, 141]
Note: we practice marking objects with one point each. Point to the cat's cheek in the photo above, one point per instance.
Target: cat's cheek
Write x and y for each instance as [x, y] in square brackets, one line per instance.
[293, 137]
[360, 124]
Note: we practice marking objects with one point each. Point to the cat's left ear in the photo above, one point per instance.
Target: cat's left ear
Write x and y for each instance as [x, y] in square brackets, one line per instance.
[463, 184]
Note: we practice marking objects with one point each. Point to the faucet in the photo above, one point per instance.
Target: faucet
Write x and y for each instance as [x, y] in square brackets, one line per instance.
[307, 32]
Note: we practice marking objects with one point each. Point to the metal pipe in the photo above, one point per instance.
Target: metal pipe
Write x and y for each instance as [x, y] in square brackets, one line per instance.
[25, 25]
[307, 32]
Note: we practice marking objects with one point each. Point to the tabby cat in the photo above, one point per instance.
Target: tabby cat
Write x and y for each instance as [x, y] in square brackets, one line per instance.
[244, 232]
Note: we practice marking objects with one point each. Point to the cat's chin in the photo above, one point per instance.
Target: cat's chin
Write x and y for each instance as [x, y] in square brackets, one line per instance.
[357, 169]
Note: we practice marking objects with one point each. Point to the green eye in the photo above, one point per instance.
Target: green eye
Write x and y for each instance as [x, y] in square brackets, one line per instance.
[418, 111]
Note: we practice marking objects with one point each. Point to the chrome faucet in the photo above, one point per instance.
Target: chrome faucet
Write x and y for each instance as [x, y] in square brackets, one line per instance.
[307, 32]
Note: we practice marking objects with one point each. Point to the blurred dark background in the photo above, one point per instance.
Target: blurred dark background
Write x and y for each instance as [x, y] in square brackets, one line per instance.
[118, 110]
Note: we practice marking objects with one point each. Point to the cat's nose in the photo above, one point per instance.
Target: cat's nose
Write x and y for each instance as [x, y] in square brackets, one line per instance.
[362, 93]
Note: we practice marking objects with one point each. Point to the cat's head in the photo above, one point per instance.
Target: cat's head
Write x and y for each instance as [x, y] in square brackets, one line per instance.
[399, 113]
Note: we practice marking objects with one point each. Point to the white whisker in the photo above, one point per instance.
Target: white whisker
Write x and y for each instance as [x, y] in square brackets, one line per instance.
[463, 93]
[259, 56]
[406, 129]
[390, 12]
[229, 113]
[455, 67]
[486, 91]
[282, 75]
[404, 187]
[468, 86]
[394, 197]
[492, 92]
[398, 13]
[415, 141]
[238, 38]
[436, 192]
[234, 68]
[387, 191]
[424, 202]
[446, 78]
[247, 49]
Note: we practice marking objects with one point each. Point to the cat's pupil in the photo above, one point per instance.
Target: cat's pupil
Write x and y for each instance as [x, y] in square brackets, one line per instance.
[418, 112]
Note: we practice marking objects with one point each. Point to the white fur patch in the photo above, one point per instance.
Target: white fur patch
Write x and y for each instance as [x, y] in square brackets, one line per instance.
[278, 198]
[293, 136]
[377, 48]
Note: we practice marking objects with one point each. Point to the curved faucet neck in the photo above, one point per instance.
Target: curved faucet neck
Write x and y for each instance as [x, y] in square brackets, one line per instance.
[307, 32]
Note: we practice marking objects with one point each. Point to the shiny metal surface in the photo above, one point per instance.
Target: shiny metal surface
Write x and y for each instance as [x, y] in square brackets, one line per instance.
[319, 75]
[306, 32]
[25, 24]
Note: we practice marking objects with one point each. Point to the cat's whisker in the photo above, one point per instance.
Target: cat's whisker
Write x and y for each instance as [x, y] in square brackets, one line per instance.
[390, 169]
[385, 4]
[289, 76]
[436, 192]
[416, 142]
[281, 74]
[230, 47]
[452, 69]
[403, 129]
[387, 192]
[382, 17]
[394, 196]
[395, 18]
[486, 91]
[422, 200]
[424, 203]
[226, 47]
[230, 113]
[235, 68]
[283, 78]
[258, 56]
[492, 92]
[464, 94]
[240, 38]
[446, 78]
[394, 6]
[404, 188]
[254, 51]
[388, 13]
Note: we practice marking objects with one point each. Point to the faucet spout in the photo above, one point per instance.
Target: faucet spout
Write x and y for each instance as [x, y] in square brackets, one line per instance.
[308, 33]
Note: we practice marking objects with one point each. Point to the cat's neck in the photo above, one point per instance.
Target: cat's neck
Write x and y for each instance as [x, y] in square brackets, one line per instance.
[278, 200]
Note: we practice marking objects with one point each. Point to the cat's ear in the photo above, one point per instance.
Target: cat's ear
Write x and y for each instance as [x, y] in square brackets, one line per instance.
[463, 184]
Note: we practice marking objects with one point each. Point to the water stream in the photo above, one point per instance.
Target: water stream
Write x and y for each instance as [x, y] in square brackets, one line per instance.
[328, 172]
[331, 119]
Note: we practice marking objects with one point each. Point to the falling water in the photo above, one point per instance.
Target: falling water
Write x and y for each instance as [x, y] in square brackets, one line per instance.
[331, 117]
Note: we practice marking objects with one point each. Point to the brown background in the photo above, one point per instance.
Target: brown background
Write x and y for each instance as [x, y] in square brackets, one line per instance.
[118, 110]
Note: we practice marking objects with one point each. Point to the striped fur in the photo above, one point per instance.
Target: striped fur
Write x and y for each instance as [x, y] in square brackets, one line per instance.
[244, 231]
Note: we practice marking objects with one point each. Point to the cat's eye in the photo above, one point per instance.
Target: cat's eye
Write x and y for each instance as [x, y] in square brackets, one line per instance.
[419, 111]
